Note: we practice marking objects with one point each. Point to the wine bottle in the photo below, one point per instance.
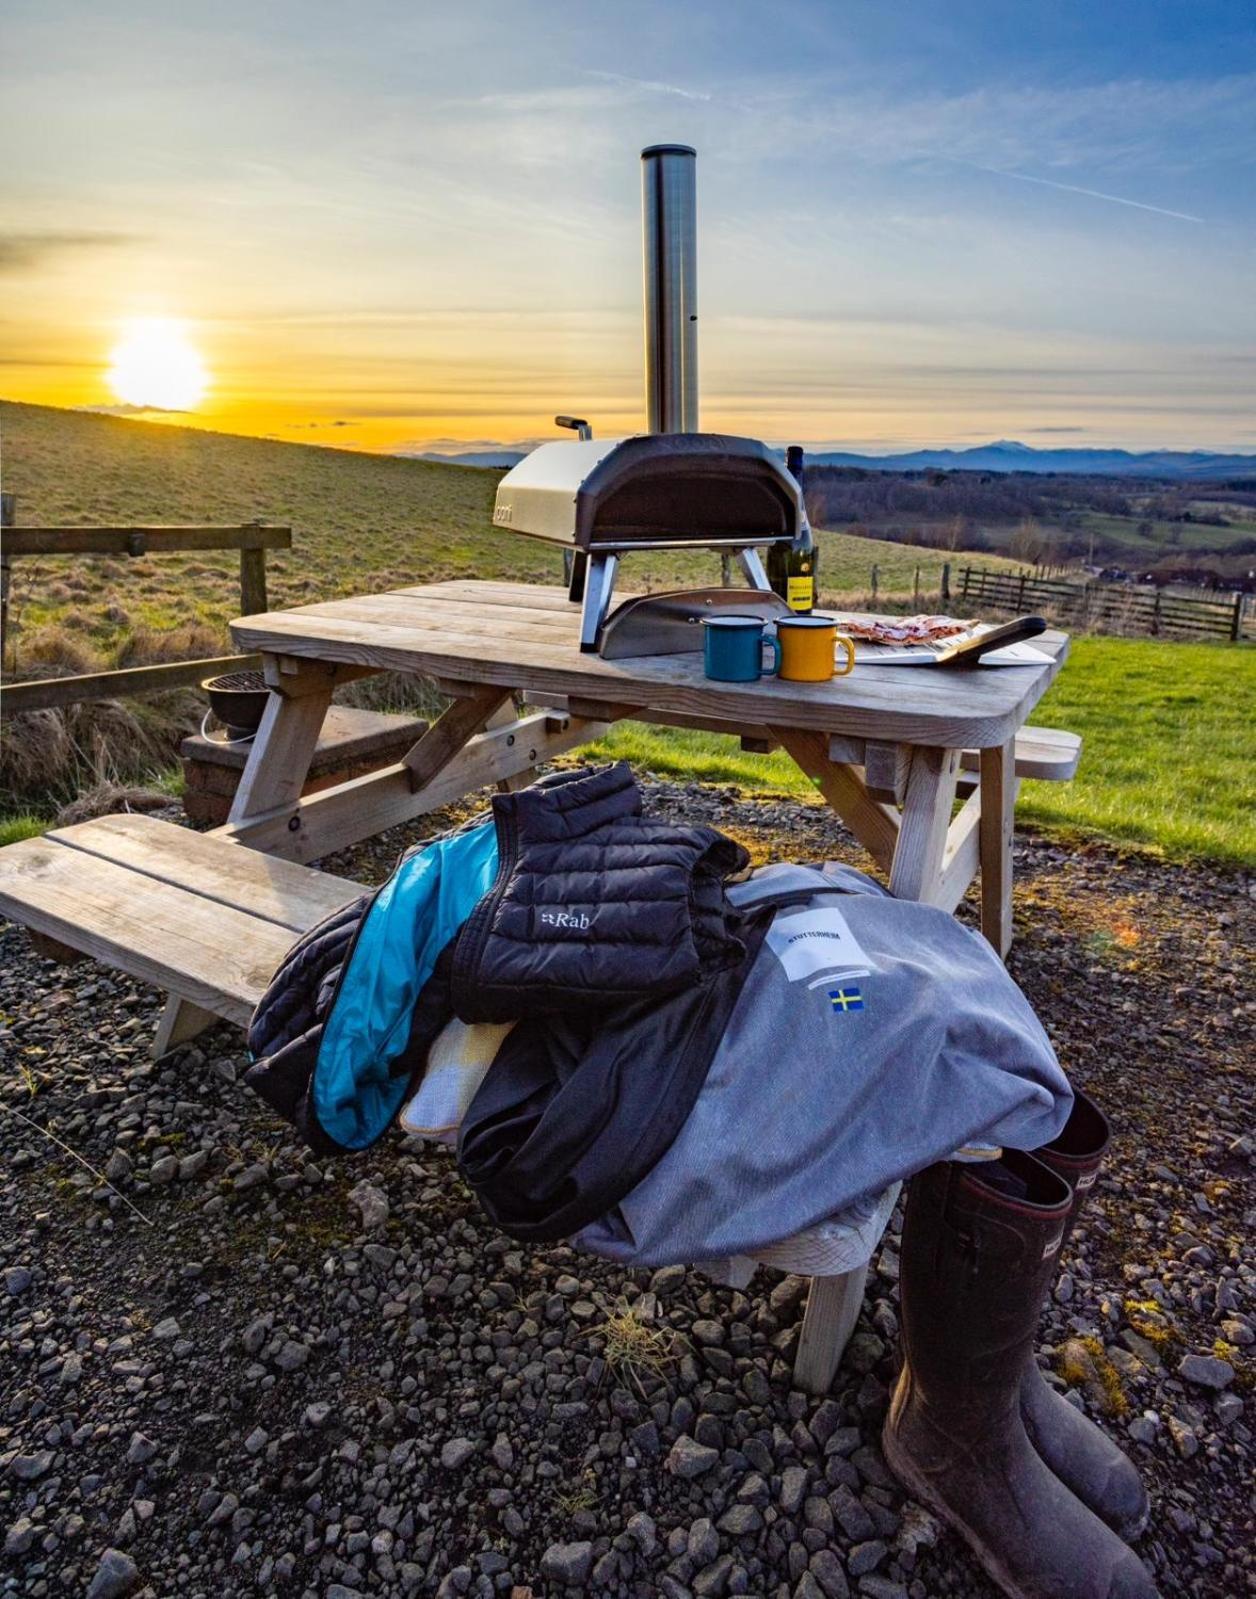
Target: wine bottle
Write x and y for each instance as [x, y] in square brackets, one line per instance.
[792, 567]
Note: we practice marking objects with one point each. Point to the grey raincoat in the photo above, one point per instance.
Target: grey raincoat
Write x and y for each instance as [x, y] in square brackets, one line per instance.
[872, 1036]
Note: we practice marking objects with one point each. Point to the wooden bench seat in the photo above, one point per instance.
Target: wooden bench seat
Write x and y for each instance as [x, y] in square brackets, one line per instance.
[198, 917]
[1048, 754]
[209, 921]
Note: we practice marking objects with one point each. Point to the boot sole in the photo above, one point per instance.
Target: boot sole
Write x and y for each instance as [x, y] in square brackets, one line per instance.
[900, 1464]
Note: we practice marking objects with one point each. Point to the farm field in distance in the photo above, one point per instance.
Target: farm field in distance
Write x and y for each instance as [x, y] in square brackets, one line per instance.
[1164, 723]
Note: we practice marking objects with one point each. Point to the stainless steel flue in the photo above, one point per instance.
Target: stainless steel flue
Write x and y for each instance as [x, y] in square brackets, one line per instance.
[670, 239]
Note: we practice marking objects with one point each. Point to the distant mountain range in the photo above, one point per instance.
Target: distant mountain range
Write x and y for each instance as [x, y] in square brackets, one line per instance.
[1005, 455]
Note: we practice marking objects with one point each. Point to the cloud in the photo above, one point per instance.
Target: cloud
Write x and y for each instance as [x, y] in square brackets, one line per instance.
[22, 252]
[649, 85]
[1093, 194]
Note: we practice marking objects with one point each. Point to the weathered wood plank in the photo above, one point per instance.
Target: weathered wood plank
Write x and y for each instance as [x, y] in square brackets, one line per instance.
[1047, 753]
[998, 804]
[293, 897]
[156, 540]
[180, 1021]
[364, 806]
[218, 957]
[252, 581]
[960, 855]
[50, 692]
[279, 761]
[833, 1305]
[983, 708]
[916, 872]
[874, 826]
[449, 733]
[885, 770]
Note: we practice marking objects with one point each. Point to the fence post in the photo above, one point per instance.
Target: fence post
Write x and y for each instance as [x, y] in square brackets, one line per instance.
[8, 507]
[916, 589]
[252, 580]
[963, 593]
[1155, 616]
[874, 580]
[946, 580]
[1020, 594]
[1236, 621]
[726, 571]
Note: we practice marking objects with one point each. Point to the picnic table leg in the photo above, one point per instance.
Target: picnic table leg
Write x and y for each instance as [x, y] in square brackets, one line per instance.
[279, 761]
[180, 1021]
[998, 819]
[916, 872]
[832, 1309]
[274, 774]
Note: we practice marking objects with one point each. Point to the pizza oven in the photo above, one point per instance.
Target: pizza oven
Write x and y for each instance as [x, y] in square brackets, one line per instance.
[671, 487]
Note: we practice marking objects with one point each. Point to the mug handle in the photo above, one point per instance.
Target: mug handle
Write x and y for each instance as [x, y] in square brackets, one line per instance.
[845, 644]
[772, 643]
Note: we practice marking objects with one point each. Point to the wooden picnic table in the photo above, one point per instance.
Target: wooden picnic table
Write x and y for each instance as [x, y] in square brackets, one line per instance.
[209, 921]
[889, 747]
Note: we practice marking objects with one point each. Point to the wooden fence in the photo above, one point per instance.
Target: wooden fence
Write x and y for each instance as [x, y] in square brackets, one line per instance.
[252, 540]
[1107, 607]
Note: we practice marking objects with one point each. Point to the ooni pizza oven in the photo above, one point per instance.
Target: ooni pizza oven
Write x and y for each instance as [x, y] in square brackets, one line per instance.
[671, 488]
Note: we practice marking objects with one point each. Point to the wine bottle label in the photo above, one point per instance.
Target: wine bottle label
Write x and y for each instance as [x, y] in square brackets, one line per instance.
[800, 593]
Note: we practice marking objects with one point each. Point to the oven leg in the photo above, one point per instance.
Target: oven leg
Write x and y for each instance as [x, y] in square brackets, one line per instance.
[574, 564]
[599, 580]
[752, 567]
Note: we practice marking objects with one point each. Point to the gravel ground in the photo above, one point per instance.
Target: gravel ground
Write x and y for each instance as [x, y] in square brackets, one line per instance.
[236, 1370]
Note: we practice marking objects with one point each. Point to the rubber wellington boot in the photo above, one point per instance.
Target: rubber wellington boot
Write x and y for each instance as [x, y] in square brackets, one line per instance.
[1081, 1454]
[978, 1251]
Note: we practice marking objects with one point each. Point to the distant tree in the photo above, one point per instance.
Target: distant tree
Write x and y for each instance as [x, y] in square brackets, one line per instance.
[1027, 543]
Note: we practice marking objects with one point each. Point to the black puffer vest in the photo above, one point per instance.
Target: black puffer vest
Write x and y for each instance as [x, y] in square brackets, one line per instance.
[593, 904]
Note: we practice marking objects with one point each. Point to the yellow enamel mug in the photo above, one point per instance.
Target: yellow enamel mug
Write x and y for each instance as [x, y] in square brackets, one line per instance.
[809, 649]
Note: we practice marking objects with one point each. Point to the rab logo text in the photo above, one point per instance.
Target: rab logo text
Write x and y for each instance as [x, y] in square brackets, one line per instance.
[578, 920]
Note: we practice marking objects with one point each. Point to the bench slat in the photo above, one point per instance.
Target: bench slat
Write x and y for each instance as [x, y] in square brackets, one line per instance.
[1049, 754]
[216, 956]
[293, 897]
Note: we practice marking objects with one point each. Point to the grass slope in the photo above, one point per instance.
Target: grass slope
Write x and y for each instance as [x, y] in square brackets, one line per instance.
[360, 523]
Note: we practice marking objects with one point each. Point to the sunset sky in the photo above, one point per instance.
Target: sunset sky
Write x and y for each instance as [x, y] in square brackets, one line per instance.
[383, 225]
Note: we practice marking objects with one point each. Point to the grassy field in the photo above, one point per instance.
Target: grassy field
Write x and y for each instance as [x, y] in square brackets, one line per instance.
[1166, 725]
[1166, 761]
[360, 523]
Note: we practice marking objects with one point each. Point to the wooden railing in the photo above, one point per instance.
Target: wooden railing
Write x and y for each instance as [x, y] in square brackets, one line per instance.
[251, 539]
[1107, 606]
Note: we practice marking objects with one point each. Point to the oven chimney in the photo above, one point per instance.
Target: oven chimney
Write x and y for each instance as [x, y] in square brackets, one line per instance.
[670, 239]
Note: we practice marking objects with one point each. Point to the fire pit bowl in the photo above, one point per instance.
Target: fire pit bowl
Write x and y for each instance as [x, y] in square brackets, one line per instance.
[238, 700]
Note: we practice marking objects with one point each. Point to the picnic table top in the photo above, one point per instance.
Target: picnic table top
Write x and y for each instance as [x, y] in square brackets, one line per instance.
[525, 636]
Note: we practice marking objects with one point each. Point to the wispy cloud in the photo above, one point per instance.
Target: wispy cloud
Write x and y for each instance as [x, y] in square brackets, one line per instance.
[649, 85]
[21, 252]
[1093, 194]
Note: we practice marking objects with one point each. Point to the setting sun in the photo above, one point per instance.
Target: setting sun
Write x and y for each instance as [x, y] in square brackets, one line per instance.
[155, 366]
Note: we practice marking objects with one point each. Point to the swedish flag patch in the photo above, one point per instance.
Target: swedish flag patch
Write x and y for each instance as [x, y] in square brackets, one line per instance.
[849, 997]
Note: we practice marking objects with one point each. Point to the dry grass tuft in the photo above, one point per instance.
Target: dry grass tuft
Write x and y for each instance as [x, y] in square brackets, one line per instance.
[633, 1349]
[47, 757]
[104, 799]
[52, 650]
[149, 646]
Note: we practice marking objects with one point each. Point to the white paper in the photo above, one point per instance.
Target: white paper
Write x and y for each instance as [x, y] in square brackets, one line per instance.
[807, 942]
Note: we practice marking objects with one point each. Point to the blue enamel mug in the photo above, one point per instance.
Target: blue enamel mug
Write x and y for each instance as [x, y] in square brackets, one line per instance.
[732, 649]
